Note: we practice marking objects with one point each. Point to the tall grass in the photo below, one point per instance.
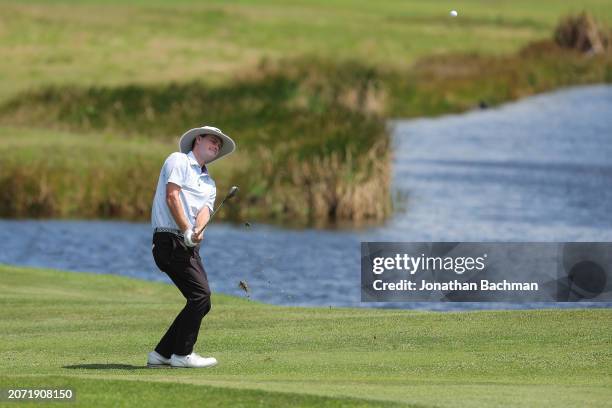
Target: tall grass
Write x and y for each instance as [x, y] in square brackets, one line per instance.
[114, 178]
[49, 174]
[583, 33]
[314, 148]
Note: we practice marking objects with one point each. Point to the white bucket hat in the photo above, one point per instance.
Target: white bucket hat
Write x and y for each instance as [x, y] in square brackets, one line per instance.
[188, 137]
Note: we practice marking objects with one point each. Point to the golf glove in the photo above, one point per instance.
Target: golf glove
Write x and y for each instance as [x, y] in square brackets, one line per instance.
[188, 236]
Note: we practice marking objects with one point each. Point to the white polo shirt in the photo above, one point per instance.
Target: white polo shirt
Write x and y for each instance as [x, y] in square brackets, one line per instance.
[198, 189]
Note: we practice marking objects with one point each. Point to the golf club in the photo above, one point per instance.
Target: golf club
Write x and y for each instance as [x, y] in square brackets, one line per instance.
[229, 195]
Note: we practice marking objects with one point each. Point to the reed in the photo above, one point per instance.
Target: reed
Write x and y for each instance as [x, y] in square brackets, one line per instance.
[310, 131]
[582, 32]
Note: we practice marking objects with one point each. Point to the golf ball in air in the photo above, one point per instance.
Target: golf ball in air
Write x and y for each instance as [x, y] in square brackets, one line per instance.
[453, 13]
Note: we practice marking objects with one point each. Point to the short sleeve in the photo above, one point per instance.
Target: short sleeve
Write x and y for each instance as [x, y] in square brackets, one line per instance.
[211, 199]
[175, 170]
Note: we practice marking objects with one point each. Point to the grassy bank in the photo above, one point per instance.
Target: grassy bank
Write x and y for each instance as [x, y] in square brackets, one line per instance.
[48, 173]
[309, 151]
[306, 98]
[456, 83]
[57, 174]
[313, 147]
[92, 332]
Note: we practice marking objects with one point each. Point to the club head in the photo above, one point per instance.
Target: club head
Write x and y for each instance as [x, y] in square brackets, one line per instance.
[243, 285]
[232, 192]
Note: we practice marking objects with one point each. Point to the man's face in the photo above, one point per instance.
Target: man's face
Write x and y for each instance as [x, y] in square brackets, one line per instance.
[209, 146]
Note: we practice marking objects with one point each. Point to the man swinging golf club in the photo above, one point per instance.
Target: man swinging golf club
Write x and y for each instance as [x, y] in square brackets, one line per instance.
[182, 206]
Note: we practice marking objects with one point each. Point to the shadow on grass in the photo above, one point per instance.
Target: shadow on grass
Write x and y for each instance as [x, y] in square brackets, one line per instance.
[107, 367]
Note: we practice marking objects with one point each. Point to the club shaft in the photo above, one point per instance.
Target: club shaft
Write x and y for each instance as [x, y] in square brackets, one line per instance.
[211, 217]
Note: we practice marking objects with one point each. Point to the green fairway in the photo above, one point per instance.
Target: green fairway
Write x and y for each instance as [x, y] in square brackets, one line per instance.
[92, 332]
[115, 42]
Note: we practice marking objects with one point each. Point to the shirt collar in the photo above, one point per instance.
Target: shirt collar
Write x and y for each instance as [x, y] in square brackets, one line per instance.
[194, 162]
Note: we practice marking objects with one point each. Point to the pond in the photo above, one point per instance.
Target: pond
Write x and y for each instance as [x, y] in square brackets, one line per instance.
[536, 170]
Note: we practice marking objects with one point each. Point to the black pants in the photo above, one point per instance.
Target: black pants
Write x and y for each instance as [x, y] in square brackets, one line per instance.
[184, 266]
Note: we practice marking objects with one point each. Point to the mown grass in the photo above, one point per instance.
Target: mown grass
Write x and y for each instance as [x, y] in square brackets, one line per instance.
[91, 392]
[88, 42]
[92, 332]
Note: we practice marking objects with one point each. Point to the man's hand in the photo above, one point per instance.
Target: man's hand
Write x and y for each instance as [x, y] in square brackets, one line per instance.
[176, 209]
[191, 239]
[188, 238]
[198, 238]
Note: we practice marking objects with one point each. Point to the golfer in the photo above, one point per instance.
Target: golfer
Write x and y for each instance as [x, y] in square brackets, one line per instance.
[183, 203]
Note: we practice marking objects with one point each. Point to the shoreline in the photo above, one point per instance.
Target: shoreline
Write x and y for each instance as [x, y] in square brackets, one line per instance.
[431, 307]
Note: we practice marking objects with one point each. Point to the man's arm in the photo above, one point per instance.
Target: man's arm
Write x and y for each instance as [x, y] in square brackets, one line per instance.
[201, 220]
[173, 200]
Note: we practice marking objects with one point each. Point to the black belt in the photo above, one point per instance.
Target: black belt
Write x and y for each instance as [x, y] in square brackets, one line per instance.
[170, 230]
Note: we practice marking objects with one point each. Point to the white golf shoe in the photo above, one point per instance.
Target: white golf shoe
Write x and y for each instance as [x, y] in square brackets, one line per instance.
[192, 361]
[156, 360]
